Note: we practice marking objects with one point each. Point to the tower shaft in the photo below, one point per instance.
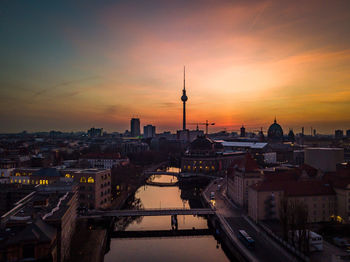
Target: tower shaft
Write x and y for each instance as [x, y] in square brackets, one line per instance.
[184, 116]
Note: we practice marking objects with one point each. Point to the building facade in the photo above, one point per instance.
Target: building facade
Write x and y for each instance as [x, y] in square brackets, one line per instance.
[94, 184]
[244, 173]
[94, 187]
[104, 161]
[319, 199]
[135, 127]
[149, 131]
[208, 157]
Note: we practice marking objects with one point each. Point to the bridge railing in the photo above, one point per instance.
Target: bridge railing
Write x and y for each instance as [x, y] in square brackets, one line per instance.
[151, 209]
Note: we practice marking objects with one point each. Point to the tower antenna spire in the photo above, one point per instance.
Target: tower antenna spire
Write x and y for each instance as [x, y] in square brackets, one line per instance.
[184, 78]
[184, 98]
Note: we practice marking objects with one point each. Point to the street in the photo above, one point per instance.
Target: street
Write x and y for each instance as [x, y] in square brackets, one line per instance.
[264, 249]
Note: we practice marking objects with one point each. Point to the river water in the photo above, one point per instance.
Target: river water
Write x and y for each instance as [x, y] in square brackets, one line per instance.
[189, 248]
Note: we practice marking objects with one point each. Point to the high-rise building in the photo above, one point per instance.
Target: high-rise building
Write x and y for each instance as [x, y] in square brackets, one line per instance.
[348, 133]
[95, 132]
[149, 131]
[242, 131]
[135, 127]
[339, 134]
[184, 99]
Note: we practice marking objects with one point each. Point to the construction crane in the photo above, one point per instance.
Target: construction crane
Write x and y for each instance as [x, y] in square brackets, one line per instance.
[206, 124]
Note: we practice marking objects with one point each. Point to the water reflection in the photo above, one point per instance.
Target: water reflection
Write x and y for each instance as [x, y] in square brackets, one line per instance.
[165, 249]
[186, 195]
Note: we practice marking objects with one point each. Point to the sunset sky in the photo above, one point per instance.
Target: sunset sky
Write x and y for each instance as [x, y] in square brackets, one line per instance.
[71, 65]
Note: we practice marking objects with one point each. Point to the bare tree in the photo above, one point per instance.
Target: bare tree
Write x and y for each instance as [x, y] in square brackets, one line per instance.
[293, 218]
[283, 215]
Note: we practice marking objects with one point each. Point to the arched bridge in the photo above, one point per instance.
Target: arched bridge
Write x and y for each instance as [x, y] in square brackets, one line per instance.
[149, 212]
[165, 173]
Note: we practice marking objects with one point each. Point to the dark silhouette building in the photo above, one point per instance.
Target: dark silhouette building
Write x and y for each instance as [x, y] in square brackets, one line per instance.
[339, 134]
[135, 127]
[149, 131]
[242, 131]
[275, 132]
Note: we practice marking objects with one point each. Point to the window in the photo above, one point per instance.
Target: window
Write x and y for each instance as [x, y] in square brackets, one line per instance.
[91, 180]
[82, 180]
[68, 175]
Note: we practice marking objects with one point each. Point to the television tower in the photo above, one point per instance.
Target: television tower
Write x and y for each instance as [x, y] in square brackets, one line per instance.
[184, 98]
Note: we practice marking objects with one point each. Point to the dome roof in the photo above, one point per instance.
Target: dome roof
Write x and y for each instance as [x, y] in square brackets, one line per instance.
[202, 143]
[275, 131]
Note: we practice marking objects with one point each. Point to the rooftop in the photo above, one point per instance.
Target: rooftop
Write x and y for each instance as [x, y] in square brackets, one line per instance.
[253, 145]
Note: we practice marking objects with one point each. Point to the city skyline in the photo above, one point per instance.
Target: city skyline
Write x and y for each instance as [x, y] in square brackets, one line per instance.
[99, 64]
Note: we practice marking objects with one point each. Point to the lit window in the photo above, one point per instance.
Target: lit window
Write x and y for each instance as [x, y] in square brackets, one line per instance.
[68, 175]
[41, 181]
[18, 174]
[91, 180]
[82, 180]
[11, 180]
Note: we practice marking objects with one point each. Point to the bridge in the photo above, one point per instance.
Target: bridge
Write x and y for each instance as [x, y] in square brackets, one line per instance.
[160, 233]
[165, 173]
[149, 212]
[162, 184]
[180, 175]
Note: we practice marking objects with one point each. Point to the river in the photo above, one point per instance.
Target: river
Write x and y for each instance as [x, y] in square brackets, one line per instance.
[189, 248]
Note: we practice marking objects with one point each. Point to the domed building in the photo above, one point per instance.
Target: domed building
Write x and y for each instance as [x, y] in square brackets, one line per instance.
[206, 156]
[204, 146]
[275, 132]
